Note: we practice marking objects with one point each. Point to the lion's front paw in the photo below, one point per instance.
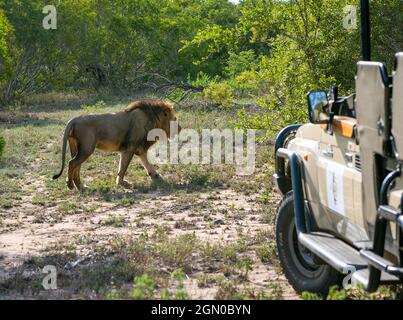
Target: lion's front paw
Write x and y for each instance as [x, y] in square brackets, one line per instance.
[156, 177]
[70, 184]
[123, 183]
[82, 187]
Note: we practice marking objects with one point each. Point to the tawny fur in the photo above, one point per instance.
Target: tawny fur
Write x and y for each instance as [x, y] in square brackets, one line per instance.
[125, 132]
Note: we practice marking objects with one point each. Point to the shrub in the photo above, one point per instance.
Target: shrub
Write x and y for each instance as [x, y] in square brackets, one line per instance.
[202, 80]
[176, 95]
[289, 79]
[248, 83]
[97, 107]
[220, 93]
[238, 63]
[144, 287]
[6, 34]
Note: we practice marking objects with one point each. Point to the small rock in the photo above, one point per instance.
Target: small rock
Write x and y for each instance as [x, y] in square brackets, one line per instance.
[219, 222]
[72, 265]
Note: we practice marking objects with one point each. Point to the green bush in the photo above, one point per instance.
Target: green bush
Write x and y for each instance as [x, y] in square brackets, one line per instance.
[97, 107]
[220, 93]
[288, 79]
[144, 287]
[176, 95]
[357, 293]
[202, 80]
[248, 83]
[238, 63]
[6, 33]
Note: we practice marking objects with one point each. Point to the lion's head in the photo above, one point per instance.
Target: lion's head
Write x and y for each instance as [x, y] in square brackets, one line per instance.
[160, 113]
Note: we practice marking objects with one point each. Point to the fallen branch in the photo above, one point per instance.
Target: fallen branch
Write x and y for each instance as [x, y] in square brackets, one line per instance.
[167, 84]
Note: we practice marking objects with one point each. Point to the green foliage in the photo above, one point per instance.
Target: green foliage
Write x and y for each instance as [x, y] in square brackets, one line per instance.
[99, 44]
[267, 51]
[310, 296]
[238, 63]
[242, 73]
[35, 63]
[5, 57]
[220, 93]
[143, 288]
[95, 108]
[202, 80]
[176, 95]
[5, 34]
[297, 63]
[303, 46]
[356, 293]
[288, 79]
[387, 36]
[249, 83]
[245, 265]
[179, 275]
[209, 47]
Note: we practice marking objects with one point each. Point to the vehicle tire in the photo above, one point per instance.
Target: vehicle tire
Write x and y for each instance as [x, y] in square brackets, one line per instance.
[299, 265]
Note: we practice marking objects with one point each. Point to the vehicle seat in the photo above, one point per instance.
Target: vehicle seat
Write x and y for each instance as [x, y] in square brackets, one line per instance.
[397, 105]
[373, 129]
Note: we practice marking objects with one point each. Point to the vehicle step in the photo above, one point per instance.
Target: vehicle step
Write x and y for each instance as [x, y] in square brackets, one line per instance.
[375, 260]
[389, 213]
[362, 277]
[333, 251]
[381, 263]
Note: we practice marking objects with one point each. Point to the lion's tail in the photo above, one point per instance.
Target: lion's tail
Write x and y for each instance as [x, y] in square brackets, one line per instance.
[67, 131]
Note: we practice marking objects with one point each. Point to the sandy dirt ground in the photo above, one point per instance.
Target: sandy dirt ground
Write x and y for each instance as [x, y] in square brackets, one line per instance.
[220, 216]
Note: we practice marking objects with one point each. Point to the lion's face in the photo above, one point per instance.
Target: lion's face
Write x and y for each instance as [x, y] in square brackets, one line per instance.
[170, 117]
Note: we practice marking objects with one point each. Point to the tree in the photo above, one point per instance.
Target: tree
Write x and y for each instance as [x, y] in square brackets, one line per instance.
[35, 61]
[268, 48]
[5, 58]
[302, 45]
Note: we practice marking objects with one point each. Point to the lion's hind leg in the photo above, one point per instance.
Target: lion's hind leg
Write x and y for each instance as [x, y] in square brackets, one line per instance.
[83, 153]
[73, 151]
[73, 147]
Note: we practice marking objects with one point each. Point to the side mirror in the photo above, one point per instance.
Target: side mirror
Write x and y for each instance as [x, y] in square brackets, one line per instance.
[318, 107]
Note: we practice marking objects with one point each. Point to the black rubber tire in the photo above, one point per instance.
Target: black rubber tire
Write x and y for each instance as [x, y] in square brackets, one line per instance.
[299, 266]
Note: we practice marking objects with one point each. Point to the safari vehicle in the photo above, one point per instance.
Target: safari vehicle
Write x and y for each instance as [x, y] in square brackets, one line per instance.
[341, 178]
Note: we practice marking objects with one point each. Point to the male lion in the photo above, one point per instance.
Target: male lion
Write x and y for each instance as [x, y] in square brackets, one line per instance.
[125, 132]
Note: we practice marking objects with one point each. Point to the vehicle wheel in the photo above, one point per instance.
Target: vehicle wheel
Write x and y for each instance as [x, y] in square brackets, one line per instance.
[299, 265]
